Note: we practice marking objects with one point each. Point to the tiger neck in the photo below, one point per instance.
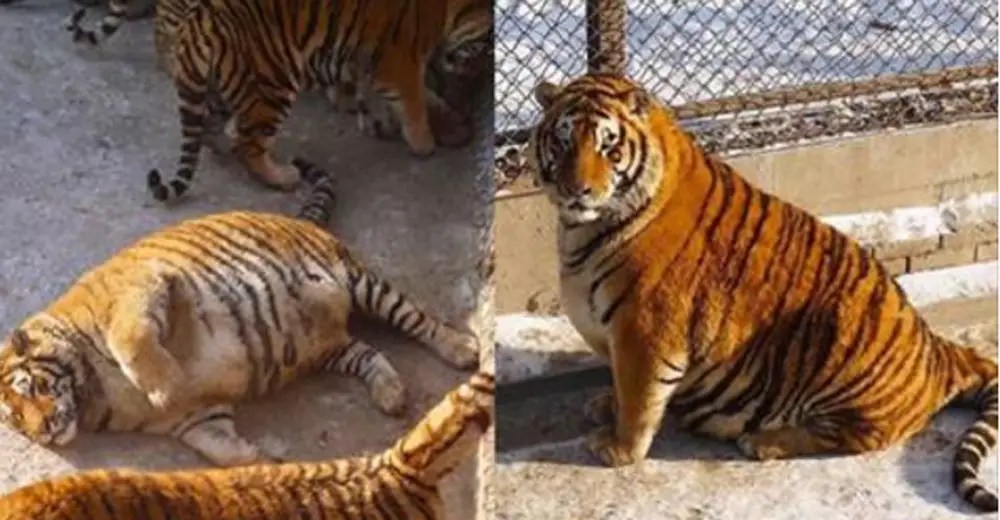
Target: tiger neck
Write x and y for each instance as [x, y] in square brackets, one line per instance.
[598, 241]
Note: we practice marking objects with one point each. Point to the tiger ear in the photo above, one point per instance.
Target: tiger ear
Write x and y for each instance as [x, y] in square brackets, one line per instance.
[639, 101]
[545, 93]
[20, 342]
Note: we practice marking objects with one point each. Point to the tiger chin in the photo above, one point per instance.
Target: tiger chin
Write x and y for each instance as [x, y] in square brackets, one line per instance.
[751, 319]
[401, 482]
[169, 334]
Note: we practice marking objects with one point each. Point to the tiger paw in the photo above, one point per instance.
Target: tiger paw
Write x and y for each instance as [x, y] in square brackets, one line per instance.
[460, 349]
[239, 454]
[389, 395]
[421, 142]
[600, 409]
[755, 446]
[606, 447]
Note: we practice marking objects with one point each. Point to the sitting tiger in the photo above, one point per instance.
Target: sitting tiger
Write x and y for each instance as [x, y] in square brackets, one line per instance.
[236, 59]
[753, 320]
[400, 483]
[171, 332]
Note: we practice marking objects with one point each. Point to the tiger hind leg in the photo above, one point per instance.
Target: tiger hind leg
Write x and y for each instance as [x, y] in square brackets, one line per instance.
[211, 431]
[785, 443]
[376, 298]
[384, 383]
[256, 131]
[600, 409]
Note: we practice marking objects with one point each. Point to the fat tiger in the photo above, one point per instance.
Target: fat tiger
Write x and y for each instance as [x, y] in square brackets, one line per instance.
[170, 333]
[250, 60]
[399, 483]
[753, 320]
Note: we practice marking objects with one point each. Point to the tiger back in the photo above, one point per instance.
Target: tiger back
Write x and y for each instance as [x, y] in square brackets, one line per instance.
[170, 333]
[753, 320]
[399, 483]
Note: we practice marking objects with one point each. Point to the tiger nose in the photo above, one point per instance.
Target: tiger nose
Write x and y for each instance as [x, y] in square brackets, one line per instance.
[579, 191]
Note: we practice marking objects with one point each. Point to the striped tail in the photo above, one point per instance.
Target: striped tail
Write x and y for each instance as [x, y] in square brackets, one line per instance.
[197, 106]
[975, 445]
[109, 24]
[318, 207]
[449, 433]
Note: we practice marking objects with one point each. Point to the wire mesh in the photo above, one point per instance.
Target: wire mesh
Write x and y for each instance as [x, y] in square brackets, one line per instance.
[747, 74]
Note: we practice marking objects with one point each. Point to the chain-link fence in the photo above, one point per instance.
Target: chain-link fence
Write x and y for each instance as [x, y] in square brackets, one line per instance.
[746, 74]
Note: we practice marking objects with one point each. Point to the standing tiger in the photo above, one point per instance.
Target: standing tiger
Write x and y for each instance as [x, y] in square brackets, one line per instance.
[752, 319]
[171, 332]
[399, 483]
[250, 59]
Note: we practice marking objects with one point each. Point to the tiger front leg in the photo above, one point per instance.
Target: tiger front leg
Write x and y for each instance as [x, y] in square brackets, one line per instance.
[385, 385]
[406, 94]
[643, 385]
[134, 340]
[257, 129]
[211, 431]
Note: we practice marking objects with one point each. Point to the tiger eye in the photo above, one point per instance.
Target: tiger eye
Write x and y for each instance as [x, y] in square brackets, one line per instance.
[615, 155]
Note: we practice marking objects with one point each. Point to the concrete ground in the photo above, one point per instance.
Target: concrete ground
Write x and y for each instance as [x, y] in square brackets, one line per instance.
[544, 470]
[79, 129]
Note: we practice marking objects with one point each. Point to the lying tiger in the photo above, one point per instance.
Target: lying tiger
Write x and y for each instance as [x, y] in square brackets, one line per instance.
[171, 332]
[249, 61]
[400, 483]
[752, 319]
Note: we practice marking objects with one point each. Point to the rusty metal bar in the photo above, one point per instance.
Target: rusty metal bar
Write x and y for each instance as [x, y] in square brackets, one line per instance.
[606, 43]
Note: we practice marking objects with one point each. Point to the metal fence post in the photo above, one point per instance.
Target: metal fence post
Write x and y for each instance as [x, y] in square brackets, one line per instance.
[606, 42]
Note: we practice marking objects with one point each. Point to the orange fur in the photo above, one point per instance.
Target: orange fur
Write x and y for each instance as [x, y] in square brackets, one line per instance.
[399, 483]
[754, 320]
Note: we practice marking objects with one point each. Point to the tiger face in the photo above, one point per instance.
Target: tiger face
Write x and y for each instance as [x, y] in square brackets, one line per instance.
[36, 392]
[593, 152]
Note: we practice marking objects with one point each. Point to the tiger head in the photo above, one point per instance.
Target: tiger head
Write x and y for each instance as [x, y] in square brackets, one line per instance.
[37, 395]
[598, 151]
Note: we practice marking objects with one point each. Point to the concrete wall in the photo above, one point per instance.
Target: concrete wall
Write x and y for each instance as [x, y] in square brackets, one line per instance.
[922, 166]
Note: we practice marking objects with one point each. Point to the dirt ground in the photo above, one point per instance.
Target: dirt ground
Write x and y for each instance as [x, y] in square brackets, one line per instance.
[79, 129]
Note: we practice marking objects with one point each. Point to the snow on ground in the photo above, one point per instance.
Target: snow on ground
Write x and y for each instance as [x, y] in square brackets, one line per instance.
[686, 51]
